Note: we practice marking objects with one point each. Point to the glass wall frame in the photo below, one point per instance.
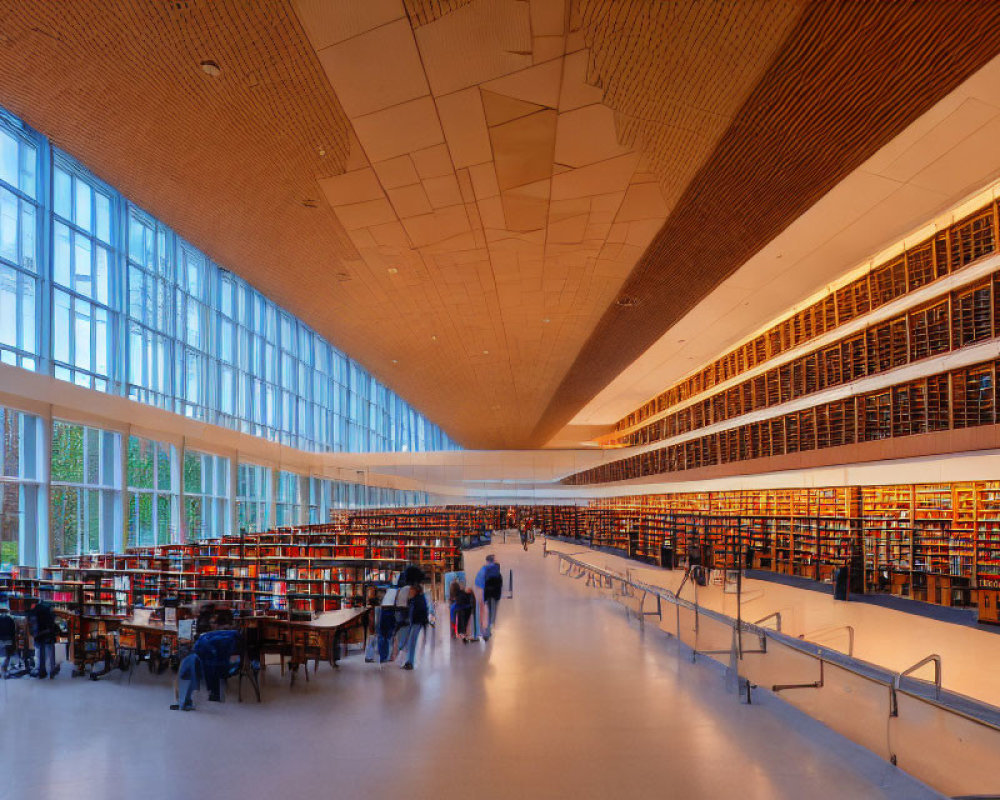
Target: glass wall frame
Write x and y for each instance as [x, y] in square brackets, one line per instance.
[95, 291]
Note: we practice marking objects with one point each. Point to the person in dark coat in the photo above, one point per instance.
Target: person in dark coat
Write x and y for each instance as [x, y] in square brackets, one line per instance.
[44, 633]
[8, 636]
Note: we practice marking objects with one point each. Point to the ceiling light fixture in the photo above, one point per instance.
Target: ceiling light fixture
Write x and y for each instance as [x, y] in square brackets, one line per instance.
[394, 361]
[434, 338]
[210, 67]
[321, 152]
[546, 319]
[392, 270]
[486, 352]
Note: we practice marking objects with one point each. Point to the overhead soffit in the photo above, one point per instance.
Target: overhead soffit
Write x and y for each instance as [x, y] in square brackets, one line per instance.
[849, 77]
[513, 161]
[456, 192]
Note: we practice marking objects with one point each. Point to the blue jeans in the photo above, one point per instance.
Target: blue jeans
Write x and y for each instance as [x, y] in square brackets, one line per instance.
[409, 635]
[188, 688]
[45, 650]
[386, 630]
[492, 604]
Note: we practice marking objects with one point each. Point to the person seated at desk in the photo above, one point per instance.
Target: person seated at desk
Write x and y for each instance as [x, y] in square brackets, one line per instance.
[44, 633]
[216, 650]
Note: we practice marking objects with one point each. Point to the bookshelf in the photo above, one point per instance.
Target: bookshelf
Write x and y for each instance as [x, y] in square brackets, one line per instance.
[964, 242]
[937, 402]
[952, 321]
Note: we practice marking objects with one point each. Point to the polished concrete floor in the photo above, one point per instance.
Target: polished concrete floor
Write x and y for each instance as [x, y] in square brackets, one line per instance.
[569, 700]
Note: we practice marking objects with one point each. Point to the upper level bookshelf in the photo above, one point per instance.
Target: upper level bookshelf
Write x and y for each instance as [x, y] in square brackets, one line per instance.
[961, 318]
[947, 251]
[960, 398]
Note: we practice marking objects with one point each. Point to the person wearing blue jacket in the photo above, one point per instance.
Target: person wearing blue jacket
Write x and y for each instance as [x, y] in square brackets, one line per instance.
[489, 581]
[216, 649]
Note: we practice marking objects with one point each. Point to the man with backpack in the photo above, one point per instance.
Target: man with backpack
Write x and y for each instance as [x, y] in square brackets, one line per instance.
[489, 580]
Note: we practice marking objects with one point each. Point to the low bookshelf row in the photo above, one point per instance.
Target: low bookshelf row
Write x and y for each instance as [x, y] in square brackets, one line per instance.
[289, 571]
[946, 252]
[934, 542]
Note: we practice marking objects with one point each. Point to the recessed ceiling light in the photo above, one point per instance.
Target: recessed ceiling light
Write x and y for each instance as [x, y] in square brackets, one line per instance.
[392, 270]
[546, 320]
[486, 352]
[394, 361]
[321, 151]
[210, 68]
[434, 338]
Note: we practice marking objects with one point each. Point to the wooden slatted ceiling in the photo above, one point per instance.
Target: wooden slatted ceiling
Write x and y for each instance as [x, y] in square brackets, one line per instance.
[849, 78]
[487, 174]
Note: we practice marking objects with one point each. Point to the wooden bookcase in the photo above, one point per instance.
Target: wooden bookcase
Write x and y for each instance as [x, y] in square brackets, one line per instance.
[948, 251]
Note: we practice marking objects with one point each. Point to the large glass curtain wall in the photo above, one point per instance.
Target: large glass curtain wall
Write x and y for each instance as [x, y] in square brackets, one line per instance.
[87, 510]
[95, 291]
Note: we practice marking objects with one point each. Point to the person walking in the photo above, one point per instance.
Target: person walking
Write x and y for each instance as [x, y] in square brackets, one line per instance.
[44, 633]
[489, 580]
[417, 615]
[463, 601]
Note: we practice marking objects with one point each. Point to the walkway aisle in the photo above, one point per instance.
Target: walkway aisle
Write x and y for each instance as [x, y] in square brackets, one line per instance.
[567, 701]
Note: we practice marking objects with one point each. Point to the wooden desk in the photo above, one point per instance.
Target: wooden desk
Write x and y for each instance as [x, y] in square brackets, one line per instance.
[302, 641]
[146, 640]
[91, 641]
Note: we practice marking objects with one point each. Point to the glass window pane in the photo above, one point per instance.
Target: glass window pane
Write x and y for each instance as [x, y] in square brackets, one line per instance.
[103, 212]
[8, 158]
[28, 159]
[28, 320]
[8, 226]
[84, 198]
[29, 255]
[82, 268]
[61, 339]
[61, 255]
[102, 276]
[8, 306]
[63, 200]
[192, 473]
[67, 452]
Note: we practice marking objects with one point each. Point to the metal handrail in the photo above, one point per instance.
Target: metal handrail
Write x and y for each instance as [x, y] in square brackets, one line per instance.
[775, 615]
[855, 666]
[933, 658]
[811, 637]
